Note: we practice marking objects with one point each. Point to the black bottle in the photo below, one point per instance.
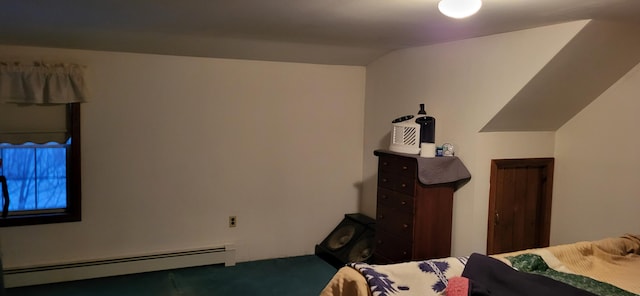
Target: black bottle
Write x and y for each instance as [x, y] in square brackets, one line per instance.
[427, 126]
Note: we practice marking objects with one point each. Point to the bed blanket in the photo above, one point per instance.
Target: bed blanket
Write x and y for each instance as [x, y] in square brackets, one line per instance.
[532, 263]
[428, 277]
[615, 261]
[491, 277]
[346, 282]
[612, 260]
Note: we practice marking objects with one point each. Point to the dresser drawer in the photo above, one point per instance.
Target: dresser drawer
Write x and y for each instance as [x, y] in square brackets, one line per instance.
[396, 222]
[394, 165]
[395, 201]
[391, 248]
[397, 183]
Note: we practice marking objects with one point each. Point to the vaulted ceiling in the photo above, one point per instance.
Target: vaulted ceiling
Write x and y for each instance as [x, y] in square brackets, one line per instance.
[350, 32]
[346, 32]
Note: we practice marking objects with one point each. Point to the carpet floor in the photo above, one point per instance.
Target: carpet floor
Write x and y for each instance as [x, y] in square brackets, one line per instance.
[299, 276]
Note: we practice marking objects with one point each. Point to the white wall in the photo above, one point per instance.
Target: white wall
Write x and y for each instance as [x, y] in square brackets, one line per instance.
[596, 193]
[172, 146]
[463, 84]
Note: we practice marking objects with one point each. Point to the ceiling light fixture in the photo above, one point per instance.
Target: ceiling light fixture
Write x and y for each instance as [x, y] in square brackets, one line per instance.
[459, 8]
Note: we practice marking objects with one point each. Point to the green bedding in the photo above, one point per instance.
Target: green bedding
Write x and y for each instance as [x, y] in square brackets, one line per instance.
[533, 263]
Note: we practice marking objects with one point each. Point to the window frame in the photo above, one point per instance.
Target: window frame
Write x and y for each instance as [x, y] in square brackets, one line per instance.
[73, 211]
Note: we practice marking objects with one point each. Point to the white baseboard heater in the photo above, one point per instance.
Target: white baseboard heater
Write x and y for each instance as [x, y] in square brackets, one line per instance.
[44, 274]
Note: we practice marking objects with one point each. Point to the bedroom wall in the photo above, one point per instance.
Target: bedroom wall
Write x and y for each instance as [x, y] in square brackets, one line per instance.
[463, 84]
[172, 146]
[597, 160]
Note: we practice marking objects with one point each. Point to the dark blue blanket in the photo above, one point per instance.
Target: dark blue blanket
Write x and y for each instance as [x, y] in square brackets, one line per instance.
[489, 276]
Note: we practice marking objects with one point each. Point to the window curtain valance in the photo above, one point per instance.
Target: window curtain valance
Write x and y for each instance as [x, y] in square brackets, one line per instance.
[34, 98]
[42, 83]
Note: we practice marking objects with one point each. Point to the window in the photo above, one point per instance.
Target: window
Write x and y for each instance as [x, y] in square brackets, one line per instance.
[42, 168]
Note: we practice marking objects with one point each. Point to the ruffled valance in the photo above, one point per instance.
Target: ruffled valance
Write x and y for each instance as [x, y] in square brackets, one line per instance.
[34, 101]
[42, 83]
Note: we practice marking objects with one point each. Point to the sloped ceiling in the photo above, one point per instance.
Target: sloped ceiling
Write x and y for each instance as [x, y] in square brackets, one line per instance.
[346, 32]
[598, 56]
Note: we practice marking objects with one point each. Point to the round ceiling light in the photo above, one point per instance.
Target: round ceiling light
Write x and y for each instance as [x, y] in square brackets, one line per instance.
[459, 8]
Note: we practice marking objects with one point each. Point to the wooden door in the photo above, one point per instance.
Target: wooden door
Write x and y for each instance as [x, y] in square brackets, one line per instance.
[519, 204]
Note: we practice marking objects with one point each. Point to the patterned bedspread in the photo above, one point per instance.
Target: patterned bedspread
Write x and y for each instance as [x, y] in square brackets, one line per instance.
[429, 277]
[607, 267]
[534, 264]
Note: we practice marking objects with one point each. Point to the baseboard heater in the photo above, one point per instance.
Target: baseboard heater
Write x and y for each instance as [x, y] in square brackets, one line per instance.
[44, 274]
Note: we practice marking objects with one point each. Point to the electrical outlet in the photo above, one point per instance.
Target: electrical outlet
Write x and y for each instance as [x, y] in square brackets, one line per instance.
[233, 221]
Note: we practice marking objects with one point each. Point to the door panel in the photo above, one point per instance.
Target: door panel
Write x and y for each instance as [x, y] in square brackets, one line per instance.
[519, 204]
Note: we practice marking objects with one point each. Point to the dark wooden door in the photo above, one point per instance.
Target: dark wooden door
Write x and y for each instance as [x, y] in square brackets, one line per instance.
[519, 204]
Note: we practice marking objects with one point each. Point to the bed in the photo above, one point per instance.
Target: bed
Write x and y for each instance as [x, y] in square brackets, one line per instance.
[609, 266]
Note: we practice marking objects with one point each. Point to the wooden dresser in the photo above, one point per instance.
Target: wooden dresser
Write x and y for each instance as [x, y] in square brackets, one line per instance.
[413, 220]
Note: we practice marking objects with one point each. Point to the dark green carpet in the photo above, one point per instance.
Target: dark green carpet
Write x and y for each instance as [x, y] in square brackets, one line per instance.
[299, 276]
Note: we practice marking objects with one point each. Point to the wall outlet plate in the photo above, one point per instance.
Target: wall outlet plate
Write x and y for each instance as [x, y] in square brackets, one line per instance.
[233, 221]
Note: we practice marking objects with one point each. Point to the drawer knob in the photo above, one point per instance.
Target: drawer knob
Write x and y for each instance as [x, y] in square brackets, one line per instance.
[405, 226]
[384, 180]
[384, 196]
[404, 203]
[403, 185]
[404, 253]
[384, 163]
[404, 167]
